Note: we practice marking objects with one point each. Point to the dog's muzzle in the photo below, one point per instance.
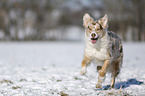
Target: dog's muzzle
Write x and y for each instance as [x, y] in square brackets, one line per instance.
[94, 37]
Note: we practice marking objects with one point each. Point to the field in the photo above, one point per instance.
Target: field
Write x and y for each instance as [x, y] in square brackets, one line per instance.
[53, 69]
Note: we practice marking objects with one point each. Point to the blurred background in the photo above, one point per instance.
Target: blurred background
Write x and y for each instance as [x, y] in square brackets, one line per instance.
[61, 20]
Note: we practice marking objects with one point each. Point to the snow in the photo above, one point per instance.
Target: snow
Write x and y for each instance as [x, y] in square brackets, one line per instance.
[53, 68]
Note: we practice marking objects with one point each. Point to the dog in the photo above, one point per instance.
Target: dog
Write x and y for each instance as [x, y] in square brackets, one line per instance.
[104, 48]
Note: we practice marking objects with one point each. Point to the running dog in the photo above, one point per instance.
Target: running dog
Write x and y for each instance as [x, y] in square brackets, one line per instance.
[103, 48]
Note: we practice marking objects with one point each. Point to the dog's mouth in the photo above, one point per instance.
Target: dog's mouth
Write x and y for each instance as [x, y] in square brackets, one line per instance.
[94, 40]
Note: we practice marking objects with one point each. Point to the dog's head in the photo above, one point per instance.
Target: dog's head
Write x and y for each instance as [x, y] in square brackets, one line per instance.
[94, 28]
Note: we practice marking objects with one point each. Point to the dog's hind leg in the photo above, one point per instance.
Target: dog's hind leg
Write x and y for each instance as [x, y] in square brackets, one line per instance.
[102, 74]
[115, 71]
[112, 82]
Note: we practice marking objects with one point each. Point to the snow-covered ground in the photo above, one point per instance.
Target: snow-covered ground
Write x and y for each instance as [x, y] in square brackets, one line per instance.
[53, 68]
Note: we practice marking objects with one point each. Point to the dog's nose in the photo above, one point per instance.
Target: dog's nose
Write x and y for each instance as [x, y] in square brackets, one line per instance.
[93, 35]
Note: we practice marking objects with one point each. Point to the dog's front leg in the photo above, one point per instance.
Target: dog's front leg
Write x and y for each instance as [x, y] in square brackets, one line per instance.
[86, 61]
[102, 74]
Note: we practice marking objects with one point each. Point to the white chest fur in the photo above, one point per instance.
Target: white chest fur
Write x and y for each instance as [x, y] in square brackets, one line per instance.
[97, 52]
[97, 56]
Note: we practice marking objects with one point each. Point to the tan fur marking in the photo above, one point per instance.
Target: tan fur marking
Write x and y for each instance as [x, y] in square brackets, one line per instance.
[112, 82]
[85, 61]
[103, 71]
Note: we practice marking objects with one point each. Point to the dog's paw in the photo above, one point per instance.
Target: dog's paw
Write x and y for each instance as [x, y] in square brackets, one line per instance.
[83, 70]
[98, 86]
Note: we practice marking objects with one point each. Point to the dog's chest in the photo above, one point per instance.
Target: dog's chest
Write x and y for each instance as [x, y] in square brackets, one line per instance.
[90, 52]
[98, 62]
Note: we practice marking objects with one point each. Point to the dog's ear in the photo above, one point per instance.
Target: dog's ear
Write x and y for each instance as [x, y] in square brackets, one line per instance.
[87, 19]
[104, 21]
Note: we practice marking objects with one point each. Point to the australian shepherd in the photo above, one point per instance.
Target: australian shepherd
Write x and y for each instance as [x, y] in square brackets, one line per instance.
[103, 48]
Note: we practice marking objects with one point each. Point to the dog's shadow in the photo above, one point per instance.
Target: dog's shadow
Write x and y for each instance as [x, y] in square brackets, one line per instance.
[123, 85]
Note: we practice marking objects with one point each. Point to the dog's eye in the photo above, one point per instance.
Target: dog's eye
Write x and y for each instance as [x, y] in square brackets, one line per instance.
[89, 27]
[97, 29]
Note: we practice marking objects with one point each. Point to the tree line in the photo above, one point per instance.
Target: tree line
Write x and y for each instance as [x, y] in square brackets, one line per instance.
[37, 20]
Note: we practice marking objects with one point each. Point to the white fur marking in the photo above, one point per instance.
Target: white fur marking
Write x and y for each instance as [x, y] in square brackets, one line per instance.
[101, 78]
[94, 33]
[83, 70]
